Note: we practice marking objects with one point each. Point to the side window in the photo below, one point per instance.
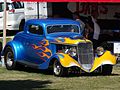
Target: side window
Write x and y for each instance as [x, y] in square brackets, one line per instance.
[1, 7]
[36, 29]
[18, 5]
[21, 4]
[9, 7]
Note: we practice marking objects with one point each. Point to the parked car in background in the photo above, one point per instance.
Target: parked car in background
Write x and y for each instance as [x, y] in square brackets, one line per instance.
[57, 43]
[15, 15]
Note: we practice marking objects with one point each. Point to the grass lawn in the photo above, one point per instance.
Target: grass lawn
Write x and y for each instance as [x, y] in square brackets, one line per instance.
[7, 39]
[28, 79]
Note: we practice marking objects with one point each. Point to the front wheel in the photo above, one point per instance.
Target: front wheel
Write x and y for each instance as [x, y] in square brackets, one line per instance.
[59, 70]
[9, 59]
[107, 69]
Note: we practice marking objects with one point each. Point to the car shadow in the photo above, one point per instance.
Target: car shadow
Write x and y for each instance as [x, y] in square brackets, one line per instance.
[50, 72]
[32, 70]
[23, 84]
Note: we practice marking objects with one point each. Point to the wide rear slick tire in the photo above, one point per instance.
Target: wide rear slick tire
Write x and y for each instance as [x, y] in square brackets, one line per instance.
[9, 59]
[59, 70]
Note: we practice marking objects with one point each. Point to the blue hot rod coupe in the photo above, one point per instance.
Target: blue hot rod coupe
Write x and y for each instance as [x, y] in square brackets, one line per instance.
[57, 43]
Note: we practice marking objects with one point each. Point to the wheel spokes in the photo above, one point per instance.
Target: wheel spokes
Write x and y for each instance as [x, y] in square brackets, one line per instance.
[9, 59]
[57, 68]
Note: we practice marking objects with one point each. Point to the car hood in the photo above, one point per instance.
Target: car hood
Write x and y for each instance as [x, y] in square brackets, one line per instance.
[66, 38]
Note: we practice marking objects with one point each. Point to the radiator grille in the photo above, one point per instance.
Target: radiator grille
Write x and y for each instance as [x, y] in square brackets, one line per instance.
[85, 54]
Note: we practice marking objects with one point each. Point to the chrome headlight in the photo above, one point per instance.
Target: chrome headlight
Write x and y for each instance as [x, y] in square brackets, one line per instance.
[71, 51]
[67, 49]
[100, 51]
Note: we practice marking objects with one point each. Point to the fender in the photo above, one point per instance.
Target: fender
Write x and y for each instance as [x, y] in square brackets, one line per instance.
[20, 18]
[46, 64]
[17, 49]
[66, 60]
[106, 58]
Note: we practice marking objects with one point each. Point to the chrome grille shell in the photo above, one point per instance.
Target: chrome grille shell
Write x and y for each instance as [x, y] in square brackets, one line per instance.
[85, 55]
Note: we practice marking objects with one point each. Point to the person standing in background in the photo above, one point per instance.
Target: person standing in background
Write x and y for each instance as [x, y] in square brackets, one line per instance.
[78, 18]
[93, 30]
[96, 29]
[90, 27]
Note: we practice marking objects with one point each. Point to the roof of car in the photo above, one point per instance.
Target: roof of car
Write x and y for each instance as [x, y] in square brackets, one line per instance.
[52, 21]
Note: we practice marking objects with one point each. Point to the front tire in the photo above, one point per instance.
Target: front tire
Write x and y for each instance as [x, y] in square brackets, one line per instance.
[9, 59]
[107, 69]
[59, 70]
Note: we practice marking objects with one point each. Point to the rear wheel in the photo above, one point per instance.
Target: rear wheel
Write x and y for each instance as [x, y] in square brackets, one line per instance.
[107, 69]
[9, 59]
[59, 70]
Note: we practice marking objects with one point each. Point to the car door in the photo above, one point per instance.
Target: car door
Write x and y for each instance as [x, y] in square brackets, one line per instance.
[34, 44]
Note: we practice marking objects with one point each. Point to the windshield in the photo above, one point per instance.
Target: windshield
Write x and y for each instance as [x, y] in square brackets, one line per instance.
[62, 28]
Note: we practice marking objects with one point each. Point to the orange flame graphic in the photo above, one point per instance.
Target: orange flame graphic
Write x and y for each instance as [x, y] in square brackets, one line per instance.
[43, 47]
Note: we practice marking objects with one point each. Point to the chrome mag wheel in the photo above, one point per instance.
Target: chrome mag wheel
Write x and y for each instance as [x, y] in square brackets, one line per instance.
[59, 70]
[9, 58]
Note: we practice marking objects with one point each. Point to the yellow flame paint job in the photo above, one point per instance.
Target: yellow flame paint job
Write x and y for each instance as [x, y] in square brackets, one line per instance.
[106, 57]
[68, 61]
[72, 41]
